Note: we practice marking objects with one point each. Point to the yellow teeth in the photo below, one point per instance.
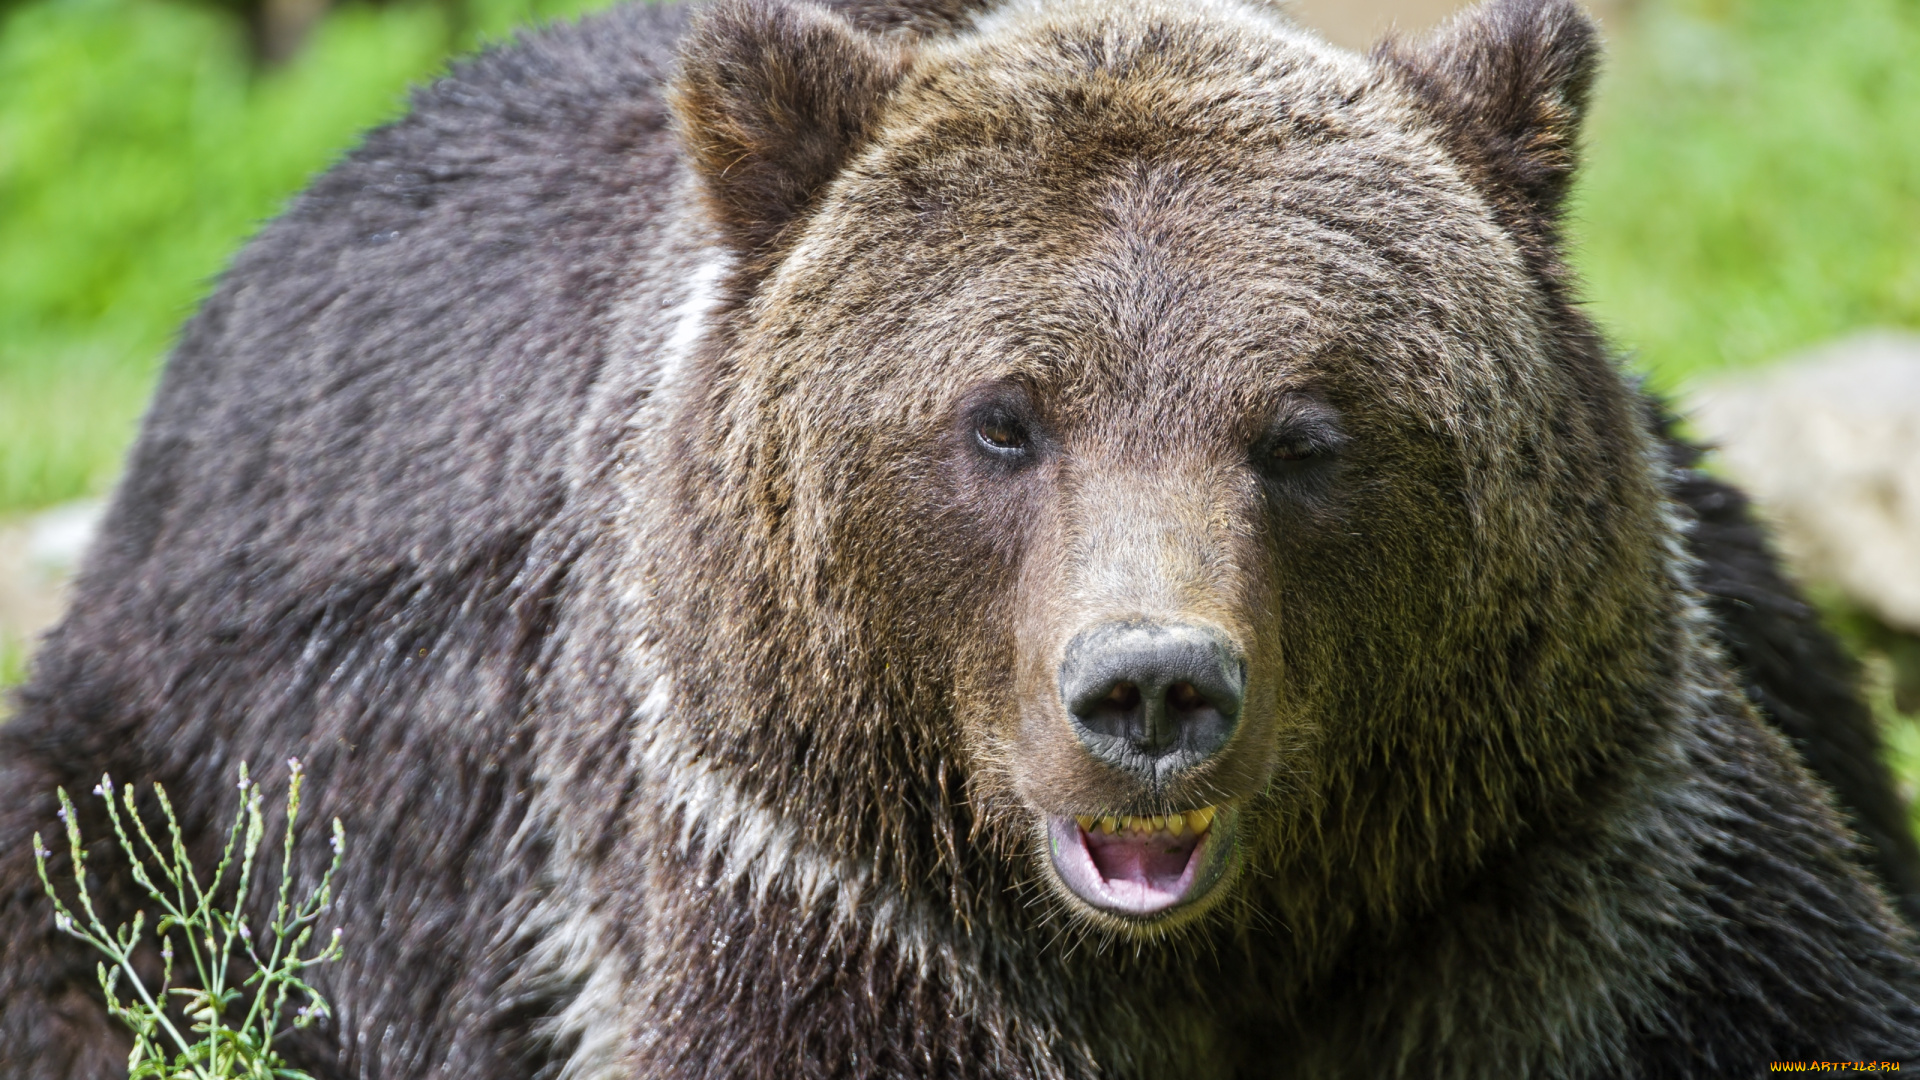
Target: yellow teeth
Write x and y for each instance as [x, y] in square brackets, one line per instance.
[1177, 824]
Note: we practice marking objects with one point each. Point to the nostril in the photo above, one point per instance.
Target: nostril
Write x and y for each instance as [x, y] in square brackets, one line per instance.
[1185, 697]
[1152, 697]
[1111, 707]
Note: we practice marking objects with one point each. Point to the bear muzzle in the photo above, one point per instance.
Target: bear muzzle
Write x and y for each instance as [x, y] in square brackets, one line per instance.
[1153, 702]
[1152, 699]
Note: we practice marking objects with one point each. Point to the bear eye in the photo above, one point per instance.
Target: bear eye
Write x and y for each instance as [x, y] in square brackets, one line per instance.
[1300, 442]
[1000, 434]
[1293, 449]
[998, 427]
[1286, 454]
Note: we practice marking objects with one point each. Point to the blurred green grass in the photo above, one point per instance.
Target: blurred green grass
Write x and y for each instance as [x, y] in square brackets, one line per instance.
[1752, 183]
[13, 665]
[138, 149]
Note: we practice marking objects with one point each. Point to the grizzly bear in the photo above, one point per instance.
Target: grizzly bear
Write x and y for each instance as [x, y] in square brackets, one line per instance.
[1058, 538]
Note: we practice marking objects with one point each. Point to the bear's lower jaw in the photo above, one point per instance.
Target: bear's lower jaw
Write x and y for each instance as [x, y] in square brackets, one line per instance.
[1139, 874]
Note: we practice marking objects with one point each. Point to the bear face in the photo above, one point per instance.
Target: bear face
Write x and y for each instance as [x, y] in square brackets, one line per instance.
[1175, 421]
[725, 578]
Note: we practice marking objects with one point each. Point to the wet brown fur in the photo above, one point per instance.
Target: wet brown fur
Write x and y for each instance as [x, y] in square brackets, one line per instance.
[741, 710]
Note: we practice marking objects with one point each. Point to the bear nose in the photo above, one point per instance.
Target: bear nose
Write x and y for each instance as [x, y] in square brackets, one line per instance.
[1153, 698]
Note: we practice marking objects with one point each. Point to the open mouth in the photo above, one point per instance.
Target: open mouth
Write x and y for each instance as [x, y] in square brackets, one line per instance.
[1140, 866]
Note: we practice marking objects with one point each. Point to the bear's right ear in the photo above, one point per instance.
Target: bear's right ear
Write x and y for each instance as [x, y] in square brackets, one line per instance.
[1507, 84]
[772, 99]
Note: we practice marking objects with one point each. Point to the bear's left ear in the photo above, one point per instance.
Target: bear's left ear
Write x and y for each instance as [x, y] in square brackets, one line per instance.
[1507, 84]
[772, 99]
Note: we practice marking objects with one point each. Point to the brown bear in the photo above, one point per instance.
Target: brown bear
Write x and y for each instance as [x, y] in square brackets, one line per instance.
[1046, 539]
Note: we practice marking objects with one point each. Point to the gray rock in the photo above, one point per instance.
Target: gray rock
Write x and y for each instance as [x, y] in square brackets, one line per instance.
[38, 556]
[57, 538]
[1829, 444]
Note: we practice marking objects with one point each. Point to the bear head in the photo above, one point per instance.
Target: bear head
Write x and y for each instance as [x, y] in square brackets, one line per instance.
[1151, 458]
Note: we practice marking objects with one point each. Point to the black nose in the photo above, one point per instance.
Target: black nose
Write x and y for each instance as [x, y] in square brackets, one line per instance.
[1153, 698]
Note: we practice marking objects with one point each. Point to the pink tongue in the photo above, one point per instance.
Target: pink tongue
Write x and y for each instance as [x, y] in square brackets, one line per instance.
[1154, 861]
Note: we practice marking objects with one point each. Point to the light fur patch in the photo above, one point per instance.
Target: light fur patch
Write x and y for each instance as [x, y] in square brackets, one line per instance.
[738, 840]
[687, 322]
[651, 336]
[572, 950]
[733, 839]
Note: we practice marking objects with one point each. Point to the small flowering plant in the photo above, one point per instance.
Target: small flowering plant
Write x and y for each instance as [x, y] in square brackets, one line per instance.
[232, 1012]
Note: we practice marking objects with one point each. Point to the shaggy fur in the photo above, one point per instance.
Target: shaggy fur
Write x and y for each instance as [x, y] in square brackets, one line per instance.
[1796, 673]
[584, 480]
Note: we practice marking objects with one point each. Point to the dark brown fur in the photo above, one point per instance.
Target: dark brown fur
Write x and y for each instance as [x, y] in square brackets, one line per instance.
[592, 497]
